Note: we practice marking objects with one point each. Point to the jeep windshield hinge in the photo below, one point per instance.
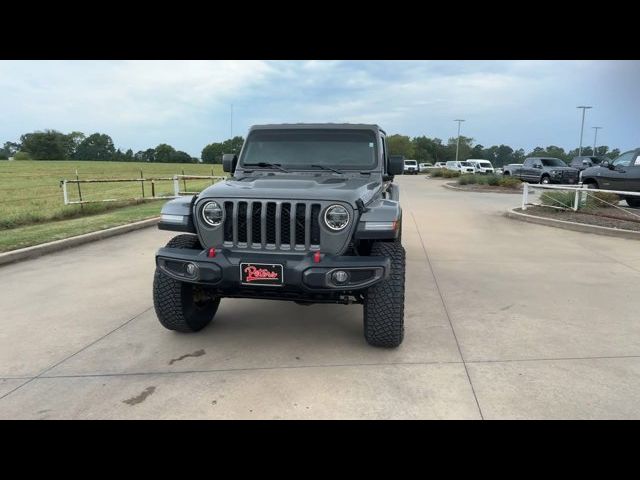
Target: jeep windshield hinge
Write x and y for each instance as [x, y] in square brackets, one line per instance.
[361, 208]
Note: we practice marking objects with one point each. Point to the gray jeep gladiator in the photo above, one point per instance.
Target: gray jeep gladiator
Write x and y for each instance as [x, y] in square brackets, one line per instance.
[310, 214]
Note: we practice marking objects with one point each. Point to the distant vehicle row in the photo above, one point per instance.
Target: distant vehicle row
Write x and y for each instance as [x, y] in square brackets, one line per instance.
[470, 166]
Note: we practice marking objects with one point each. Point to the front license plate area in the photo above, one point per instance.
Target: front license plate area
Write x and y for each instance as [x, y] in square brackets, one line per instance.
[265, 274]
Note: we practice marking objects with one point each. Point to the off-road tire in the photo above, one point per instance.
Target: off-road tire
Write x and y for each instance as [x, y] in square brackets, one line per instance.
[633, 202]
[174, 301]
[384, 302]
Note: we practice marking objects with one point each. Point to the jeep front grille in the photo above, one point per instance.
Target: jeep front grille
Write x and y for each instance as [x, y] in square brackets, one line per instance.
[272, 225]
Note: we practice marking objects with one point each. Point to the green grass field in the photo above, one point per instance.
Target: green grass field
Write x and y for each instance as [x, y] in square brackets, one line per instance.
[32, 209]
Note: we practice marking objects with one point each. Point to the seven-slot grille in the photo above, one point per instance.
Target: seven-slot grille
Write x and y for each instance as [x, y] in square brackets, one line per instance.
[274, 224]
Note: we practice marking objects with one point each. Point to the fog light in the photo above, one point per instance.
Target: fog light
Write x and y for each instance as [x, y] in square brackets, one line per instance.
[340, 276]
[191, 269]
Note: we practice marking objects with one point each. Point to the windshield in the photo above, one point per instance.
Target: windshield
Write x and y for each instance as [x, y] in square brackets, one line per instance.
[466, 164]
[410, 162]
[553, 162]
[485, 164]
[299, 149]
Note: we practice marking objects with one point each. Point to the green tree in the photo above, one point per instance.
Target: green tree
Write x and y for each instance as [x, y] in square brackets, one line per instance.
[519, 156]
[465, 148]
[212, 153]
[478, 152]
[75, 139]
[504, 155]
[47, 145]
[97, 146]
[233, 145]
[400, 145]
[10, 148]
[164, 153]
[180, 157]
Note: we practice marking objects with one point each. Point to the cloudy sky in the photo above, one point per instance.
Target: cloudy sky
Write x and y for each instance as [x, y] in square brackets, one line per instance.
[187, 103]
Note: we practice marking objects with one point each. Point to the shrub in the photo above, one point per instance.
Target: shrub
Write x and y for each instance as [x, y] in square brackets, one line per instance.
[493, 180]
[601, 200]
[437, 172]
[22, 156]
[464, 180]
[509, 182]
[566, 199]
[450, 174]
[559, 198]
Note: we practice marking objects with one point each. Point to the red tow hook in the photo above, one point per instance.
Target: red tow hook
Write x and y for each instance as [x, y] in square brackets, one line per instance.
[316, 257]
[212, 252]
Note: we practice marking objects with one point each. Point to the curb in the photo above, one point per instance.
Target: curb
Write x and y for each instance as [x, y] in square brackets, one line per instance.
[451, 187]
[44, 248]
[577, 227]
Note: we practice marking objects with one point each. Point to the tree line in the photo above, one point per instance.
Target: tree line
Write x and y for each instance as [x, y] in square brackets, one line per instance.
[54, 145]
[432, 150]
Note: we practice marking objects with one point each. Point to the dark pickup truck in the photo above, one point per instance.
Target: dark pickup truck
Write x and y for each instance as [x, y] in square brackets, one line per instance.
[621, 174]
[587, 161]
[543, 170]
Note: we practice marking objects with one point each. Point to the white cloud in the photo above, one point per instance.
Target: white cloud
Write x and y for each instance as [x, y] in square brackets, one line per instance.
[186, 103]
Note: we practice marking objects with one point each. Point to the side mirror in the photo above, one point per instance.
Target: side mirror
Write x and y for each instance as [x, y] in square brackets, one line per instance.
[396, 166]
[229, 162]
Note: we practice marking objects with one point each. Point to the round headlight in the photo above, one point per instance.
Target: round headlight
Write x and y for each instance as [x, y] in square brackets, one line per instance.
[212, 213]
[336, 217]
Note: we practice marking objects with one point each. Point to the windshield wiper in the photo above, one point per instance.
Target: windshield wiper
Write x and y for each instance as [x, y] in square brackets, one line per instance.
[266, 165]
[324, 167]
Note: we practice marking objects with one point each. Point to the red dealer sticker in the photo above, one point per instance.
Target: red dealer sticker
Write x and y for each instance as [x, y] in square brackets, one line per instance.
[261, 274]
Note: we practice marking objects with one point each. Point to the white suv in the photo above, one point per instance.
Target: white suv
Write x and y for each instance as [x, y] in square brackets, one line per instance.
[410, 167]
[462, 167]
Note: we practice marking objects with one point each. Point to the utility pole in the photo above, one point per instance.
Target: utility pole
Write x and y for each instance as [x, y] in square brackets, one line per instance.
[458, 143]
[595, 139]
[584, 109]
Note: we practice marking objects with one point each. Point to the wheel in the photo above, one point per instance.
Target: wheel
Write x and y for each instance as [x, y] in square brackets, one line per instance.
[182, 306]
[506, 174]
[633, 202]
[384, 302]
[545, 180]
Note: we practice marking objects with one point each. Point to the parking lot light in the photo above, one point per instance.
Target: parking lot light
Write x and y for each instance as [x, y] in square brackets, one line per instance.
[584, 109]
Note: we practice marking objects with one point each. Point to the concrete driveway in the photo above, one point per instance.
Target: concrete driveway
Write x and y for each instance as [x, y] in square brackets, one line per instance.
[503, 320]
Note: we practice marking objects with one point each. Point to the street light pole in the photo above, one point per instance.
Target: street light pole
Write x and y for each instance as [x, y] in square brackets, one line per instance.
[584, 109]
[595, 139]
[231, 121]
[458, 143]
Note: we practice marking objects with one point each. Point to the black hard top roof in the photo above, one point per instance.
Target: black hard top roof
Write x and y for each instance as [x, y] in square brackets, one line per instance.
[328, 126]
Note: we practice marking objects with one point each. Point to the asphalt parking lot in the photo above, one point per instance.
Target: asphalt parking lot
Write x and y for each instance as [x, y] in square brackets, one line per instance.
[504, 320]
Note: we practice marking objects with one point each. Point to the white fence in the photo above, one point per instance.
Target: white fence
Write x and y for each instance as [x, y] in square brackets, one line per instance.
[581, 192]
[176, 179]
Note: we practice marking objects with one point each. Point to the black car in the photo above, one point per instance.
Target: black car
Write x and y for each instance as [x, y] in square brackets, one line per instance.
[621, 174]
[587, 161]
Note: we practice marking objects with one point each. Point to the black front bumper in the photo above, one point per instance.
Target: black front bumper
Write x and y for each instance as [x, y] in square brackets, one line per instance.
[301, 274]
